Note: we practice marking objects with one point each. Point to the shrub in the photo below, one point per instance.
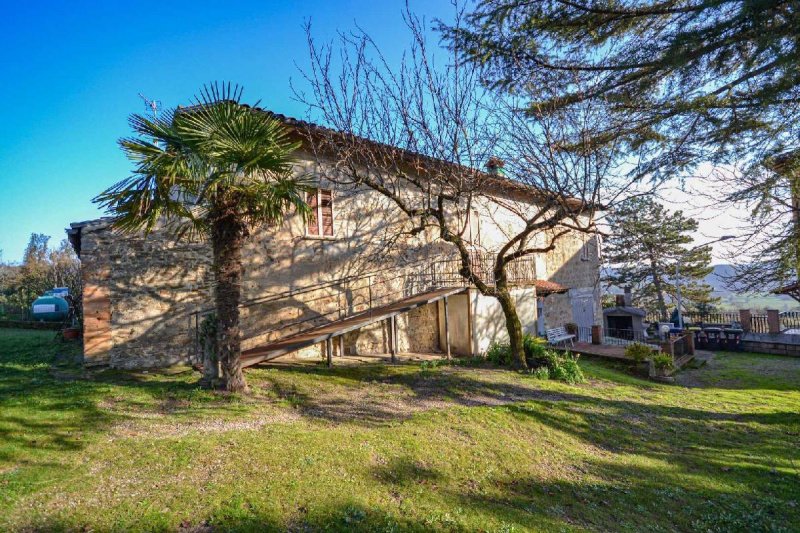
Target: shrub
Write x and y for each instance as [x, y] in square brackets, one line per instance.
[546, 363]
[663, 361]
[499, 354]
[638, 352]
[541, 373]
[567, 369]
[535, 349]
[430, 365]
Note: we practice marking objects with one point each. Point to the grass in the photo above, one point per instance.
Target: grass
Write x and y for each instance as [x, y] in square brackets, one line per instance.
[382, 448]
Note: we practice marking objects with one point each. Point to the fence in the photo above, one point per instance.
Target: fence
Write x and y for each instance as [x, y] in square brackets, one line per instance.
[758, 323]
[790, 320]
[616, 336]
[701, 318]
[13, 312]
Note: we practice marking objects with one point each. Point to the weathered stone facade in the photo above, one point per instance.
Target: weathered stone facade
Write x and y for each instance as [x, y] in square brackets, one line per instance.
[144, 295]
[574, 263]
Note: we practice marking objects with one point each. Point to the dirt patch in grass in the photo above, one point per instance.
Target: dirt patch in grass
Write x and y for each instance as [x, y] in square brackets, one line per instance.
[398, 397]
[141, 427]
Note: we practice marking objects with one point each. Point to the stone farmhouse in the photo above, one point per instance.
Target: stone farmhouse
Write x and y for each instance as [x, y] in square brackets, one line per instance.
[145, 297]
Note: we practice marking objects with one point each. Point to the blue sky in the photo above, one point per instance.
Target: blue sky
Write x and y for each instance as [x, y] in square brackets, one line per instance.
[72, 72]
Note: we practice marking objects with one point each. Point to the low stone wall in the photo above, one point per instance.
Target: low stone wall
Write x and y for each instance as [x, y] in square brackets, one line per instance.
[772, 343]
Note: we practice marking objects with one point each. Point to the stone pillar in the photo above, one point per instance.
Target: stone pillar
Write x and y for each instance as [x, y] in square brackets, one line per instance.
[773, 321]
[597, 334]
[746, 319]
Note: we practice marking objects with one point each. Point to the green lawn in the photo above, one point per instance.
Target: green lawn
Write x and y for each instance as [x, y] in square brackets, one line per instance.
[382, 448]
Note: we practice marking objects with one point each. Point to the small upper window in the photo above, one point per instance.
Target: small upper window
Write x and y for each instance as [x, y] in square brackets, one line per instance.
[320, 220]
[585, 255]
[472, 229]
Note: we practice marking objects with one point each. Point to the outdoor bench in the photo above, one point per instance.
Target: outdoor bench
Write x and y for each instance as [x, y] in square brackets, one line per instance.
[558, 335]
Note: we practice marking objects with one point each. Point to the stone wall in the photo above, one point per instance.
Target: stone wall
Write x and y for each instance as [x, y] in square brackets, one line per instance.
[140, 293]
[138, 296]
[772, 343]
[574, 263]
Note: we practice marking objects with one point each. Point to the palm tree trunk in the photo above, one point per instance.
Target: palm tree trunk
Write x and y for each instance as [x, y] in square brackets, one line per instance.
[513, 326]
[227, 239]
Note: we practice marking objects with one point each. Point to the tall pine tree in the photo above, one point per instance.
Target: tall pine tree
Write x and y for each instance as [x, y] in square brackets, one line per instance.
[645, 245]
[692, 80]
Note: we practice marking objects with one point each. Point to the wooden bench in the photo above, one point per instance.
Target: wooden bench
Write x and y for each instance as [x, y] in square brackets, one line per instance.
[557, 335]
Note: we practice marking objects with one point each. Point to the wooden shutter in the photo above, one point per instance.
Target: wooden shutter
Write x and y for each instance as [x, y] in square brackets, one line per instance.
[313, 223]
[326, 211]
[474, 228]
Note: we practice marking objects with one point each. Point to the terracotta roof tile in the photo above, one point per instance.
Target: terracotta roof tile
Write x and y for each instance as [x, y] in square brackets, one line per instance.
[544, 287]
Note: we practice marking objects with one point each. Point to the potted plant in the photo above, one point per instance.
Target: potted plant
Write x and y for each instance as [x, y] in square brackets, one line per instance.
[73, 331]
[639, 353]
[661, 365]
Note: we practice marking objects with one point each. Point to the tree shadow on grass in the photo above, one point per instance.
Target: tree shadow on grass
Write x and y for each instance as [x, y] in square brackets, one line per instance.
[49, 403]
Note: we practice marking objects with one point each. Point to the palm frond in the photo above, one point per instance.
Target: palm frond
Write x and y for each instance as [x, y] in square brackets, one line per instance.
[189, 160]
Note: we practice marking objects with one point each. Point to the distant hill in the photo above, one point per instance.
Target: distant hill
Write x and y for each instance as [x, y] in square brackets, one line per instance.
[733, 300]
[730, 300]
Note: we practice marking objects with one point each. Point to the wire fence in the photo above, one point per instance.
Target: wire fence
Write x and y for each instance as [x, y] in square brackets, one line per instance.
[14, 312]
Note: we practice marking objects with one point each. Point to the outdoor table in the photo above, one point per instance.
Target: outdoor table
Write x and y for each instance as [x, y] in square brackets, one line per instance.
[733, 339]
[700, 339]
[713, 335]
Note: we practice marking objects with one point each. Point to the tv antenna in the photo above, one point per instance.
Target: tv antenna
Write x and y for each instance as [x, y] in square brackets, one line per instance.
[152, 105]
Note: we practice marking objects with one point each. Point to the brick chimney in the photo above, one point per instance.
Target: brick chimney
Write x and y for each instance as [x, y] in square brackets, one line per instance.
[620, 300]
[495, 166]
[628, 297]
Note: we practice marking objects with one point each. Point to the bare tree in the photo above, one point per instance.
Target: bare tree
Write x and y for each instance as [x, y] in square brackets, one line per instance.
[422, 134]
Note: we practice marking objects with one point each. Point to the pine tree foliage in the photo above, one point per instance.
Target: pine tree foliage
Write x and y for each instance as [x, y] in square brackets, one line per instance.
[693, 80]
[767, 255]
[645, 245]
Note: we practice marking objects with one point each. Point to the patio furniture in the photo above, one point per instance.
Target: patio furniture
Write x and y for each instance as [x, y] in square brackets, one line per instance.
[700, 338]
[713, 335]
[733, 339]
[558, 335]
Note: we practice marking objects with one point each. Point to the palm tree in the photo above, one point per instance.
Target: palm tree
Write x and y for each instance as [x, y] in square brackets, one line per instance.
[215, 170]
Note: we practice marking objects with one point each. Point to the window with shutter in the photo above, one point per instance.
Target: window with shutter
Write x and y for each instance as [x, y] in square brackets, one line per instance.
[475, 228]
[585, 252]
[313, 218]
[320, 220]
[326, 211]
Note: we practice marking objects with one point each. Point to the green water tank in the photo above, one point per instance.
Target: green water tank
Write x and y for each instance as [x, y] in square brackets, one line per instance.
[49, 308]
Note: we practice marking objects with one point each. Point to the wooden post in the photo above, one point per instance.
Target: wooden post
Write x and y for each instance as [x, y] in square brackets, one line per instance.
[446, 328]
[341, 345]
[393, 338]
[329, 351]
